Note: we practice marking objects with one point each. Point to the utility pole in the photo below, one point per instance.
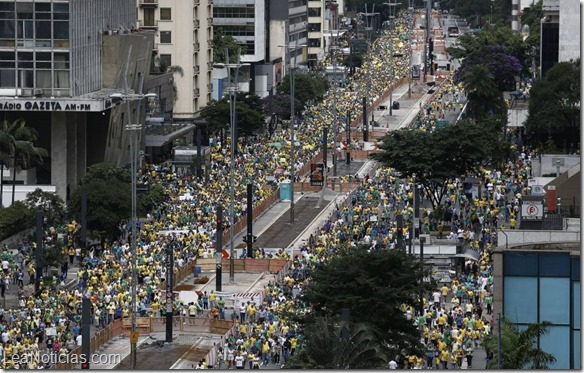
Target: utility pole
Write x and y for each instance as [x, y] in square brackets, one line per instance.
[324, 163]
[249, 237]
[292, 121]
[39, 251]
[500, 342]
[348, 124]
[169, 288]
[427, 37]
[219, 248]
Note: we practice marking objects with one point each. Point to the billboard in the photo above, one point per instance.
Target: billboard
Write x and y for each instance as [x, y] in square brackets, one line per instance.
[316, 174]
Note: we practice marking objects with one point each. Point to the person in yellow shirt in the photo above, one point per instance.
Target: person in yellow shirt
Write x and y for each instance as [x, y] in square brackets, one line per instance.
[444, 357]
[444, 290]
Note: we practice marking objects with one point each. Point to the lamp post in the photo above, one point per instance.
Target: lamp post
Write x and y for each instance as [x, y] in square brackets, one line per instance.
[135, 130]
[233, 125]
[291, 69]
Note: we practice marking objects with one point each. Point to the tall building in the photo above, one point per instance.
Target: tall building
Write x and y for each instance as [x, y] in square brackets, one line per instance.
[183, 32]
[60, 61]
[560, 32]
[540, 281]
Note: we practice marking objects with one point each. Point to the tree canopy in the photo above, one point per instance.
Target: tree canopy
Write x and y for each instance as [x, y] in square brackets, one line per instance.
[373, 286]
[308, 86]
[519, 347]
[327, 348]
[435, 158]
[249, 113]
[52, 206]
[222, 41]
[553, 118]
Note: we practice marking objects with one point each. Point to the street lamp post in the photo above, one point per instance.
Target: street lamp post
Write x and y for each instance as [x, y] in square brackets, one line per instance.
[134, 129]
[233, 125]
[292, 120]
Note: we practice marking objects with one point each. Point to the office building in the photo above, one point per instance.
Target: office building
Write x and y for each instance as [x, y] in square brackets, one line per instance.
[541, 282]
[59, 62]
[183, 34]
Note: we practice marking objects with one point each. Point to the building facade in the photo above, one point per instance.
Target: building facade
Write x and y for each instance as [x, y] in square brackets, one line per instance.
[60, 60]
[560, 32]
[183, 34]
[541, 282]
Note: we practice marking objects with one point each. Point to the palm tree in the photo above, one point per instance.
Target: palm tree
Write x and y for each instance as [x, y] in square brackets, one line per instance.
[481, 89]
[25, 155]
[7, 147]
[325, 348]
[519, 347]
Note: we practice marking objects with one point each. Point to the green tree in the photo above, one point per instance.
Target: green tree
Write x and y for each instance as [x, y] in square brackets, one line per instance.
[155, 197]
[554, 107]
[51, 204]
[373, 285]
[519, 347]
[481, 89]
[222, 41]
[108, 199]
[281, 106]
[436, 158]
[325, 347]
[250, 115]
[308, 86]
[7, 146]
[14, 219]
[161, 67]
[26, 155]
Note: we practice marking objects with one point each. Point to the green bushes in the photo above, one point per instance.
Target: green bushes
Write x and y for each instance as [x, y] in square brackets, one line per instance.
[14, 219]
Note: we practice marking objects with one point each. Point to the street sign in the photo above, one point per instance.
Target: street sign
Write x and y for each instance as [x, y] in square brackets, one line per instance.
[134, 337]
[316, 174]
[532, 210]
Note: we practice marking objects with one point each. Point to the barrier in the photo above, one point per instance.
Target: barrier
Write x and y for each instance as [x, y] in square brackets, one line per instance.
[246, 265]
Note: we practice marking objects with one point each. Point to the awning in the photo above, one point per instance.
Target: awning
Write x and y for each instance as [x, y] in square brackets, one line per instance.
[470, 254]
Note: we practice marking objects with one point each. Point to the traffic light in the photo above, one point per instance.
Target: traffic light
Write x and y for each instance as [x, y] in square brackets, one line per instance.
[430, 46]
[400, 227]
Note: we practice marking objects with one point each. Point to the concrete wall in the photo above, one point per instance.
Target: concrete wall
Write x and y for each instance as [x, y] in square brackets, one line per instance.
[516, 117]
[516, 237]
[547, 166]
[130, 55]
[570, 25]
[88, 21]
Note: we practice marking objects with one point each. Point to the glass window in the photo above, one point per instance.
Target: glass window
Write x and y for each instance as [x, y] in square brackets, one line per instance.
[25, 29]
[6, 6]
[60, 8]
[61, 60]
[557, 342]
[166, 59]
[42, 7]
[165, 14]
[43, 79]
[576, 269]
[165, 37]
[7, 78]
[43, 30]
[26, 78]
[519, 264]
[7, 29]
[520, 300]
[554, 265]
[61, 79]
[43, 56]
[554, 300]
[576, 350]
[25, 60]
[576, 304]
[61, 29]
[24, 8]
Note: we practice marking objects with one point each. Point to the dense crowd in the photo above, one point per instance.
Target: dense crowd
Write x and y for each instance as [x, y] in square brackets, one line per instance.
[50, 322]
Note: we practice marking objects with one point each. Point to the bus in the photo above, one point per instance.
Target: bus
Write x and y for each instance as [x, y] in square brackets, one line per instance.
[453, 32]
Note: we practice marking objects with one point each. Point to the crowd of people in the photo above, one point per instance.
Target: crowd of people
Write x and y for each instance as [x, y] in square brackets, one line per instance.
[50, 322]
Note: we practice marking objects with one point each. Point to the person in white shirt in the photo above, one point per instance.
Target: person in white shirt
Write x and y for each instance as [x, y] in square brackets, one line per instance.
[392, 365]
[239, 361]
[436, 295]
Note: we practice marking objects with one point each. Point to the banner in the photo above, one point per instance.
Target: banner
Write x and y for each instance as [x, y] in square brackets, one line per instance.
[316, 174]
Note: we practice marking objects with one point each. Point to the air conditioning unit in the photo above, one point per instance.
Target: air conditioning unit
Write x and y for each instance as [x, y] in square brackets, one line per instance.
[38, 92]
[27, 92]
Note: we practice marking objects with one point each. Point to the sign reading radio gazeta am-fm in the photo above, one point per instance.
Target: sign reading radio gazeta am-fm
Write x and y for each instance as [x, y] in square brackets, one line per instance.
[532, 210]
[48, 105]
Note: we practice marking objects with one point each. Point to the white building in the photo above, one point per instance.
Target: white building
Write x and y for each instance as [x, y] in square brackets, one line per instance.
[183, 37]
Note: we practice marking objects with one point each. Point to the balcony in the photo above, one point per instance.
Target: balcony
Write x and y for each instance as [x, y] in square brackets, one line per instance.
[148, 3]
[196, 46]
[196, 2]
[155, 48]
[209, 65]
[196, 70]
[210, 21]
[152, 25]
[196, 23]
[196, 92]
